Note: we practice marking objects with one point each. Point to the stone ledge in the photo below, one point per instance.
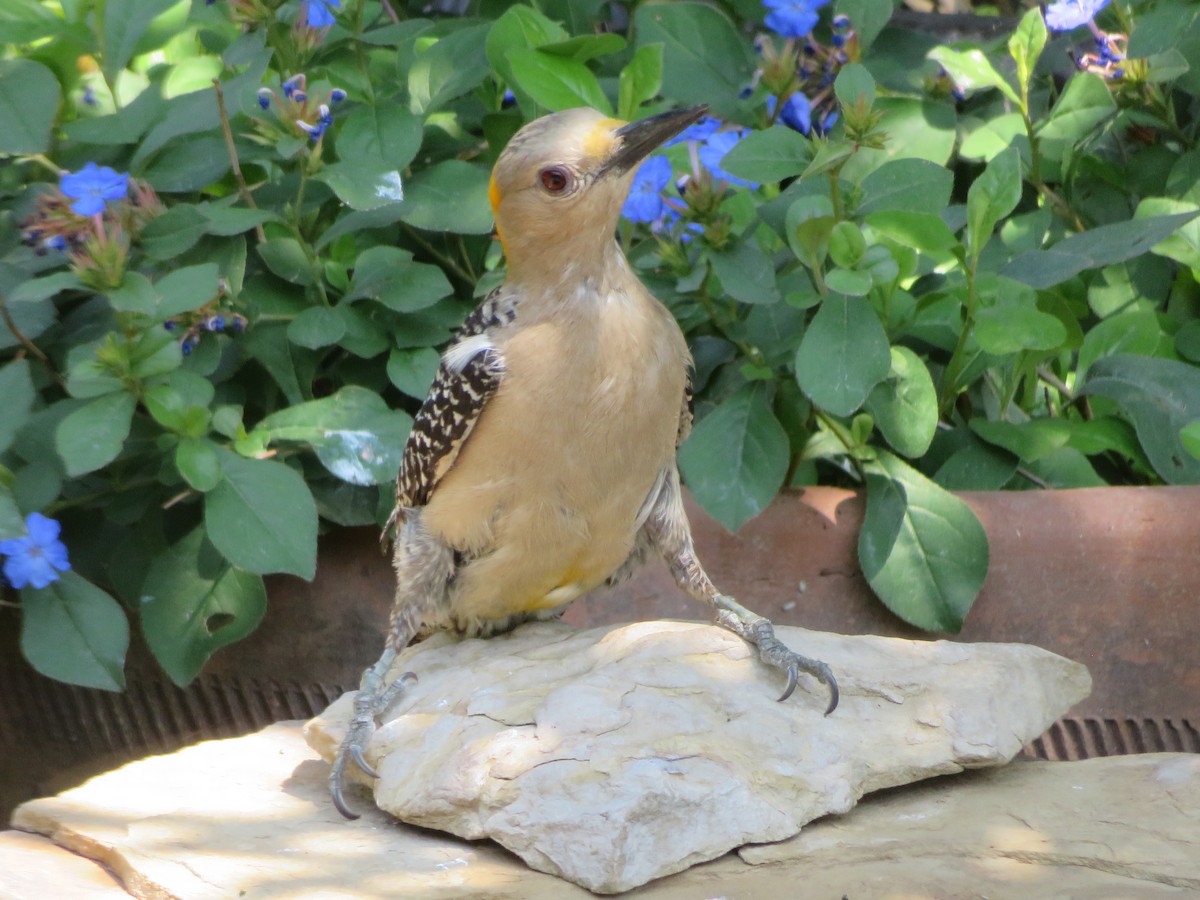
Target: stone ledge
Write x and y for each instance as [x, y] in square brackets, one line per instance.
[250, 816]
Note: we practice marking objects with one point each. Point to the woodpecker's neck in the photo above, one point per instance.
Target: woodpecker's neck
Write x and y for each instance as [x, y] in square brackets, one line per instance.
[562, 267]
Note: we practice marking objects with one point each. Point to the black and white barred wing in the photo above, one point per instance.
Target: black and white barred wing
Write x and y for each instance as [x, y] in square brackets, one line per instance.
[470, 373]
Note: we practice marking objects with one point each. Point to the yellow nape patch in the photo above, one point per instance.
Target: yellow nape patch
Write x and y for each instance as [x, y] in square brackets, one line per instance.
[494, 200]
[598, 143]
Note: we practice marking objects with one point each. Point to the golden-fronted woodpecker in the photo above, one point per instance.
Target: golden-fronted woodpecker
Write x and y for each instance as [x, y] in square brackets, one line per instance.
[542, 463]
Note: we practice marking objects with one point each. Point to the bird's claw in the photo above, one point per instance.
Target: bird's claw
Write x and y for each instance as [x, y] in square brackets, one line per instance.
[369, 704]
[356, 754]
[818, 670]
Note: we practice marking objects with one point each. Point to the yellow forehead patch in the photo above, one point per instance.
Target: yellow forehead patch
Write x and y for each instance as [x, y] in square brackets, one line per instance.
[598, 143]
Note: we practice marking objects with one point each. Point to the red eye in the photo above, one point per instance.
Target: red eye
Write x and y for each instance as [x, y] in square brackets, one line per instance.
[554, 179]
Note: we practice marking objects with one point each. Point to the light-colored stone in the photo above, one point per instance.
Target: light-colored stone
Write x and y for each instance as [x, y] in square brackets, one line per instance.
[250, 817]
[33, 867]
[1129, 817]
[613, 756]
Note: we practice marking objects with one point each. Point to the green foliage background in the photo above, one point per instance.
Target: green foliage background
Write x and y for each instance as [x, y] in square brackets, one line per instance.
[996, 291]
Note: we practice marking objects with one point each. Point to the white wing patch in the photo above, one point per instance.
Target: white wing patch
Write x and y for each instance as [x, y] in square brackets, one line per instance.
[458, 355]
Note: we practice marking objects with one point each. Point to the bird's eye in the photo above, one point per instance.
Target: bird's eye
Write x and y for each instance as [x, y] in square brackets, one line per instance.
[555, 179]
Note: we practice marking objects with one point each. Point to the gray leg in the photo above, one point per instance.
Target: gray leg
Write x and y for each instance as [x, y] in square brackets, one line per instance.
[669, 532]
[424, 567]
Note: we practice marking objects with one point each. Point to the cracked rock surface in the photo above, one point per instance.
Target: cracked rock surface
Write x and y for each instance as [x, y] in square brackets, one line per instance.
[250, 817]
[613, 756]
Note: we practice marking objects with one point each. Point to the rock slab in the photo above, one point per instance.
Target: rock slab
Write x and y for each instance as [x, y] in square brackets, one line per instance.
[613, 756]
[249, 817]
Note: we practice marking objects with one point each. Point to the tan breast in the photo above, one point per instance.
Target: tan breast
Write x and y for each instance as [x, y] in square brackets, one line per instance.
[547, 489]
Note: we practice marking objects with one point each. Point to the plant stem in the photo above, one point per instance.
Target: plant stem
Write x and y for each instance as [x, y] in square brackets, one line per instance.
[467, 278]
[28, 344]
[243, 188]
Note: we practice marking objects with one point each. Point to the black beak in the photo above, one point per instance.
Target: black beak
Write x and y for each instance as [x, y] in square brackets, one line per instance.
[639, 139]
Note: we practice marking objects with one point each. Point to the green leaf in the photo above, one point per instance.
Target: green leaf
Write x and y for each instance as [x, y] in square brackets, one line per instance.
[745, 272]
[640, 80]
[387, 134]
[92, 436]
[316, 327]
[923, 232]
[24, 23]
[187, 165]
[843, 355]
[705, 59]
[904, 405]
[186, 289]
[921, 548]
[412, 371]
[226, 221]
[1189, 436]
[29, 98]
[450, 196]
[361, 187]
[196, 459]
[736, 458]
[287, 259]
[389, 275]
[854, 85]
[556, 82]
[1008, 319]
[1026, 45]
[124, 24]
[992, 196]
[520, 27]
[1085, 103]
[167, 236]
[1103, 246]
[910, 185]
[583, 47]
[194, 603]
[1184, 245]
[772, 154]
[74, 632]
[450, 68]
[870, 17]
[262, 517]
[16, 387]
[355, 435]
[12, 523]
[1160, 397]
[971, 70]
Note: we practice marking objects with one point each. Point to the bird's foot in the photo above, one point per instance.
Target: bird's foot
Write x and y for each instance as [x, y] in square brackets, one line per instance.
[369, 704]
[761, 633]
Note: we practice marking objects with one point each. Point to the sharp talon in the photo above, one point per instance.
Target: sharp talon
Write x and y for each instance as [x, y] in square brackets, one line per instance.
[356, 754]
[335, 789]
[833, 694]
[793, 674]
[409, 678]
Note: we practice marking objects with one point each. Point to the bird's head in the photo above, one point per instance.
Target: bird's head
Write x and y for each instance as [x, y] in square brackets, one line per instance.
[558, 187]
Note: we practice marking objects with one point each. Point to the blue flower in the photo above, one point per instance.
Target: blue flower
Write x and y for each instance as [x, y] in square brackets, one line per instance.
[713, 151]
[337, 95]
[645, 202]
[319, 15]
[92, 186]
[792, 18]
[1068, 14]
[293, 84]
[698, 132]
[796, 113]
[33, 559]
